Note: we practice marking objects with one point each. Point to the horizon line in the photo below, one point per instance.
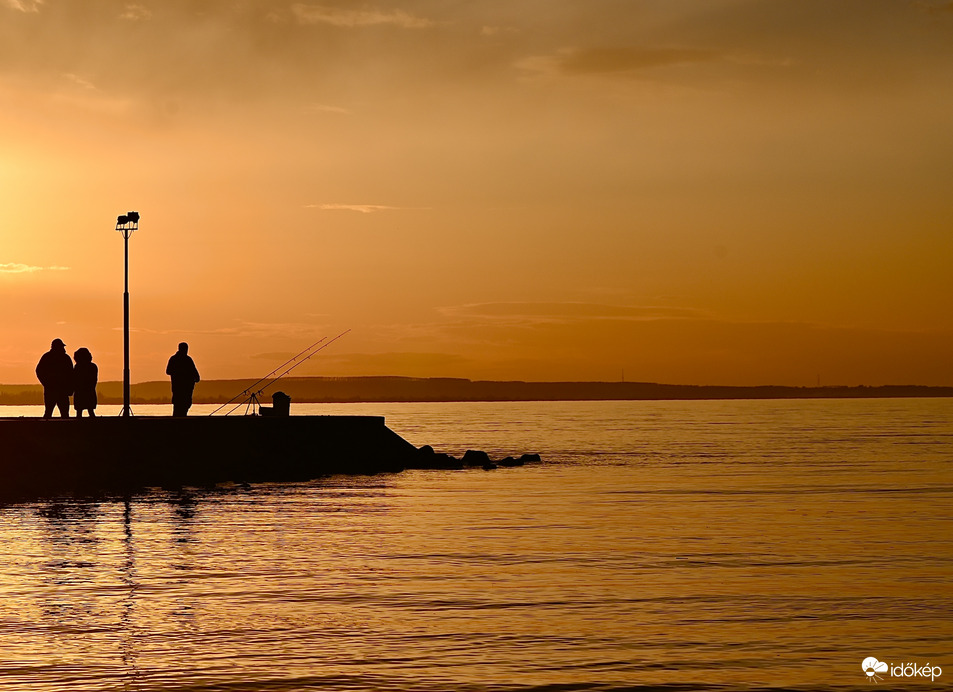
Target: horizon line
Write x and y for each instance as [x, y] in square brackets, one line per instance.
[518, 381]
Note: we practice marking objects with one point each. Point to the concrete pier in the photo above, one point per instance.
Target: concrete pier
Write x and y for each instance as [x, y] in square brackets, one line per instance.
[46, 456]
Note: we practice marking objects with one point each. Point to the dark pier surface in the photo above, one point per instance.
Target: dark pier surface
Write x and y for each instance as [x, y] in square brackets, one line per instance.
[40, 457]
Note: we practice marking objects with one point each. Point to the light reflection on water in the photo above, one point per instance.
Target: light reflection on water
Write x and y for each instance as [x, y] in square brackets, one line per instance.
[660, 543]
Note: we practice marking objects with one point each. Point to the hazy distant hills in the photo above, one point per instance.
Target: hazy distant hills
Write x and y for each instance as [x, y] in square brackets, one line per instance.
[356, 389]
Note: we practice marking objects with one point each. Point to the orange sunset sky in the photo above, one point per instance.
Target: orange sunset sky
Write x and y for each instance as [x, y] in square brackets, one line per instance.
[686, 191]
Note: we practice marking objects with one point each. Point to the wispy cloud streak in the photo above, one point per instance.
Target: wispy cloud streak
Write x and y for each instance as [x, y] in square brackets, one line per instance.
[362, 208]
[324, 108]
[24, 5]
[320, 14]
[19, 268]
[562, 311]
[135, 12]
[625, 61]
[79, 81]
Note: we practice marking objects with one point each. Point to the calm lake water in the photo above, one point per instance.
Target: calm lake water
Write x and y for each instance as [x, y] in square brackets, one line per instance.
[659, 545]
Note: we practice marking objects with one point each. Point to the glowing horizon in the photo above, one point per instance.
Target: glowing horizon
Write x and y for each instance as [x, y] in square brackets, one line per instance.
[720, 192]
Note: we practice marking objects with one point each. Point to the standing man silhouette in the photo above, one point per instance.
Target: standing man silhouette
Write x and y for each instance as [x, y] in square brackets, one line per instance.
[55, 372]
[184, 375]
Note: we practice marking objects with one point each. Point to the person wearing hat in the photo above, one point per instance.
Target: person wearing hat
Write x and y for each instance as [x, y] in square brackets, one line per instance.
[55, 372]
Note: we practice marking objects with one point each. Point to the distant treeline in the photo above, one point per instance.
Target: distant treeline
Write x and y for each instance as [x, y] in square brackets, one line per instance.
[372, 389]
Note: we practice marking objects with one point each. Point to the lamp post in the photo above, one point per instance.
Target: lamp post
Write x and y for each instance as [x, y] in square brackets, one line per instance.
[126, 224]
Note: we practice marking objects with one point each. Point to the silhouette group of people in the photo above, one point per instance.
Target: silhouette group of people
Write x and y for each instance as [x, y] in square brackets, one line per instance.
[61, 379]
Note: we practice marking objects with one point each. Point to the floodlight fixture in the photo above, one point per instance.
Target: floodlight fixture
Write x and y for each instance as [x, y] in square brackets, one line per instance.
[128, 222]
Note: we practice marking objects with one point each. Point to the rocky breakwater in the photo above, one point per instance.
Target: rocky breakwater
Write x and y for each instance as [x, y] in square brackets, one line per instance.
[427, 458]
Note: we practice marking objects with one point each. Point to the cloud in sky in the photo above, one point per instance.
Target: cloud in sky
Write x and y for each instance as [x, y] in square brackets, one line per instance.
[18, 268]
[135, 12]
[24, 5]
[571, 311]
[321, 14]
[487, 30]
[79, 81]
[362, 208]
[324, 108]
[627, 59]
[678, 349]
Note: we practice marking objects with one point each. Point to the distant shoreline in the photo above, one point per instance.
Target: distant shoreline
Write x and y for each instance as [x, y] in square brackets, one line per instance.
[440, 389]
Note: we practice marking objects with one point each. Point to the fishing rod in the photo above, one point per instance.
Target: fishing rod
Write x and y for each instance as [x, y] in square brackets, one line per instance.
[253, 396]
[290, 360]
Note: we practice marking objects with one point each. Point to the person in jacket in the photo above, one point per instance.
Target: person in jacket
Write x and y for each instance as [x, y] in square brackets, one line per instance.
[85, 378]
[184, 374]
[55, 372]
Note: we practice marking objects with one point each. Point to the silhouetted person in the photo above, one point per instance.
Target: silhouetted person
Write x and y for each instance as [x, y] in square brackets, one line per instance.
[184, 375]
[281, 406]
[85, 378]
[55, 372]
